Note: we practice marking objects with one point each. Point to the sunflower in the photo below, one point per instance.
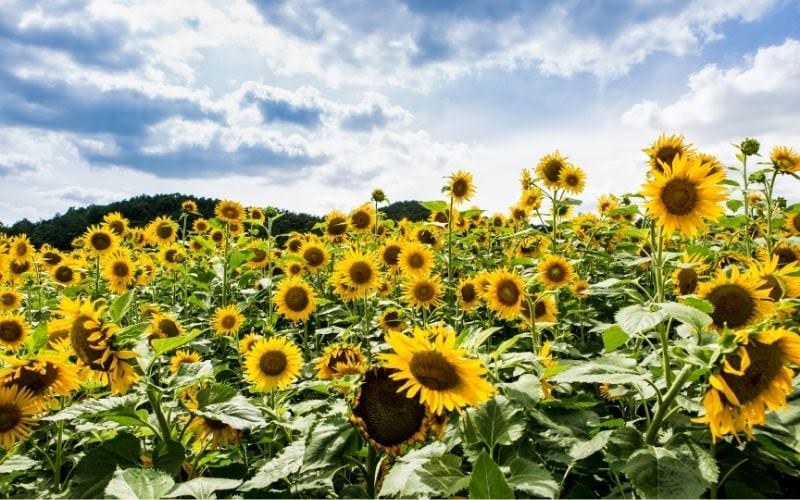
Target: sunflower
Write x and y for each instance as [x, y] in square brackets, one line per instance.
[580, 288]
[780, 281]
[555, 271]
[687, 274]
[543, 307]
[137, 237]
[549, 168]
[785, 159]
[165, 326]
[259, 256]
[664, 150]
[739, 300]
[13, 331]
[145, 269]
[793, 223]
[217, 236]
[424, 292]
[572, 179]
[519, 213]
[786, 252]
[545, 358]
[392, 319]
[415, 259]
[531, 199]
[172, 255]
[714, 165]
[256, 214]
[49, 257]
[162, 231]
[249, 341]
[362, 219]
[461, 187]
[19, 409]
[227, 320]
[314, 254]
[607, 203]
[359, 271]
[220, 434]
[497, 220]
[468, 295]
[272, 364]
[116, 223]
[21, 249]
[505, 293]
[753, 379]
[340, 359]
[44, 375]
[294, 268]
[182, 357]
[294, 242]
[16, 270]
[432, 367]
[295, 300]
[427, 236]
[683, 195]
[387, 418]
[10, 299]
[335, 225]
[99, 241]
[227, 210]
[118, 270]
[201, 225]
[390, 254]
[189, 206]
[235, 227]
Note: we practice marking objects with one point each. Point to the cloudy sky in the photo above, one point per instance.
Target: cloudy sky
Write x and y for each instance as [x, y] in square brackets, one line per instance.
[309, 105]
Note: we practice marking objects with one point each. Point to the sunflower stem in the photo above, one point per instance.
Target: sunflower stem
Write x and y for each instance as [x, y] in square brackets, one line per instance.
[770, 208]
[155, 401]
[747, 240]
[371, 470]
[450, 294]
[225, 268]
[666, 402]
[96, 278]
[555, 219]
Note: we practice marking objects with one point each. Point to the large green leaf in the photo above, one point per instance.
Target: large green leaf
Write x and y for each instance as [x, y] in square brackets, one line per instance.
[114, 405]
[622, 443]
[532, 479]
[204, 487]
[328, 441]
[287, 462]
[636, 319]
[498, 422]
[237, 412]
[443, 475]
[614, 337]
[163, 346]
[526, 390]
[687, 314]
[609, 369]
[120, 307]
[659, 473]
[17, 463]
[435, 206]
[587, 448]
[487, 481]
[95, 469]
[403, 478]
[215, 394]
[139, 483]
[168, 456]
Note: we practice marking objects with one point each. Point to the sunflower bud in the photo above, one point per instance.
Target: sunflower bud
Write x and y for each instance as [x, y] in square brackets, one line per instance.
[749, 146]
[378, 195]
[758, 177]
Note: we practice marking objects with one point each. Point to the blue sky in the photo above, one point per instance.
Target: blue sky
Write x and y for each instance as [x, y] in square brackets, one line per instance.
[309, 105]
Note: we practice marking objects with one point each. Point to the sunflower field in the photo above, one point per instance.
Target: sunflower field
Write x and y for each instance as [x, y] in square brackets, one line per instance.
[647, 349]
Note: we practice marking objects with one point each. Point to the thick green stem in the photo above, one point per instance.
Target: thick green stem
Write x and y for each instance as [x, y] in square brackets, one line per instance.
[225, 268]
[371, 470]
[155, 402]
[770, 209]
[747, 239]
[666, 402]
[450, 287]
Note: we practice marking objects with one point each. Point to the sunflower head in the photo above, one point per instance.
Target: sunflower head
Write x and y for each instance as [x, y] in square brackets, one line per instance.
[390, 254]
[116, 223]
[362, 219]
[10, 299]
[468, 294]
[227, 210]
[538, 308]
[664, 150]
[99, 241]
[165, 326]
[461, 186]
[201, 225]
[738, 299]
[13, 331]
[162, 231]
[272, 364]
[19, 410]
[249, 341]
[340, 359]
[227, 320]
[415, 259]
[183, 357]
[42, 375]
[392, 320]
[189, 206]
[294, 299]
[793, 223]
[336, 225]
[687, 274]
[785, 159]
[572, 179]
[505, 293]
[607, 203]
[550, 167]
[119, 270]
[423, 292]
[314, 253]
[358, 271]
[555, 271]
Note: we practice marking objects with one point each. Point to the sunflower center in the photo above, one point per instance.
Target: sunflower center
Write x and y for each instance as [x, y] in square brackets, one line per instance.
[201, 227]
[10, 331]
[36, 379]
[666, 154]
[434, 371]
[51, 258]
[459, 188]
[423, 292]
[10, 417]
[679, 196]
[774, 286]
[552, 169]
[539, 309]
[572, 180]
[794, 222]
[87, 351]
[21, 248]
[416, 261]
[337, 226]
[392, 319]
[100, 241]
[556, 273]
[296, 298]
[121, 270]
[8, 299]
[169, 327]
[230, 212]
[214, 425]
[273, 363]
[217, 236]
[766, 362]
[427, 237]
[314, 257]
[360, 273]
[228, 322]
[687, 281]
[259, 255]
[507, 293]
[390, 417]
[19, 267]
[468, 293]
[360, 220]
[391, 254]
[164, 231]
[732, 305]
[440, 217]
[785, 256]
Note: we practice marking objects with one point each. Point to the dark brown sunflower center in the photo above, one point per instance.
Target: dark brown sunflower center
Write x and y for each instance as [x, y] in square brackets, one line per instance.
[360, 273]
[296, 299]
[440, 217]
[215, 425]
[314, 256]
[228, 321]
[392, 319]
[687, 281]
[337, 226]
[415, 261]
[468, 293]
[169, 328]
[121, 270]
[556, 273]
[8, 299]
[785, 256]
[679, 196]
[230, 212]
[507, 293]
[426, 236]
[390, 417]
[10, 417]
[21, 248]
[666, 154]
[766, 363]
[794, 223]
[19, 267]
[170, 255]
[497, 221]
[117, 226]
[774, 286]
[424, 292]
[391, 254]
[732, 305]
[217, 236]
[518, 214]
[273, 363]
[201, 227]
[360, 220]
[540, 309]
[259, 255]
[100, 241]
[36, 379]
[87, 351]
[459, 188]
[51, 258]
[164, 231]
[572, 180]
[552, 169]
[10, 331]
[434, 371]
[294, 245]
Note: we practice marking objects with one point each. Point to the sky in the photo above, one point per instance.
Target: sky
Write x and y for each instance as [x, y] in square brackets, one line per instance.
[309, 105]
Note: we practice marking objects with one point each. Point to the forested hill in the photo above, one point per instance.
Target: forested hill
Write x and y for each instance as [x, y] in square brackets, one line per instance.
[63, 228]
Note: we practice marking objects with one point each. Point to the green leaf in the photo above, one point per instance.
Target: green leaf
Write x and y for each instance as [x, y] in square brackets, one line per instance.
[113, 405]
[190, 373]
[38, 338]
[532, 479]
[435, 206]
[163, 346]
[403, 479]
[734, 205]
[659, 473]
[120, 307]
[96, 468]
[609, 369]
[139, 483]
[621, 445]
[477, 338]
[508, 344]
[687, 314]
[486, 480]
[699, 304]
[17, 463]
[168, 456]
[526, 390]
[497, 422]
[696, 457]
[614, 337]
[588, 448]
[131, 333]
[237, 412]
[204, 487]
[214, 394]
[236, 259]
[636, 319]
[287, 462]
[443, 475]
[328, 441]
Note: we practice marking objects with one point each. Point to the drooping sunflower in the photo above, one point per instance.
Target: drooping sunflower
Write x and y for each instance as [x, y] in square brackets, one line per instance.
[228, 210]
[13, 331]
[793, 223]
[385, 416]
[684, 195]
[273, 363]
[555, 271]
[545, 358]
[549, 168]
[315, 254]
[219, 434]
[753, 379]
[738, 299]
[183, 357]
[786, 252]
[468, 295]
[538, 308]
[295, 300]
[781, 281]
[44, 375]
[505, 294]
[10, 299]
[259, 256]
[165, 325]
[116, 223]
[434, 370]
[19, 410]
[172, 255]
[235, 227]
[391, 319]
[362, 219]
[162, 231]
[424, 292]
[785, 159]
[359, 271]
[119, 271]
[572, 179]
[340, 359]
[461, 186]
[227, 320]
[99, 241]
[687, 273]
[415, 259]
[664, 150]
[336, 226]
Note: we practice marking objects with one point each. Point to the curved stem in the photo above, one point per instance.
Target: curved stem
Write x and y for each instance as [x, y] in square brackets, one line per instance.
[663, 408]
